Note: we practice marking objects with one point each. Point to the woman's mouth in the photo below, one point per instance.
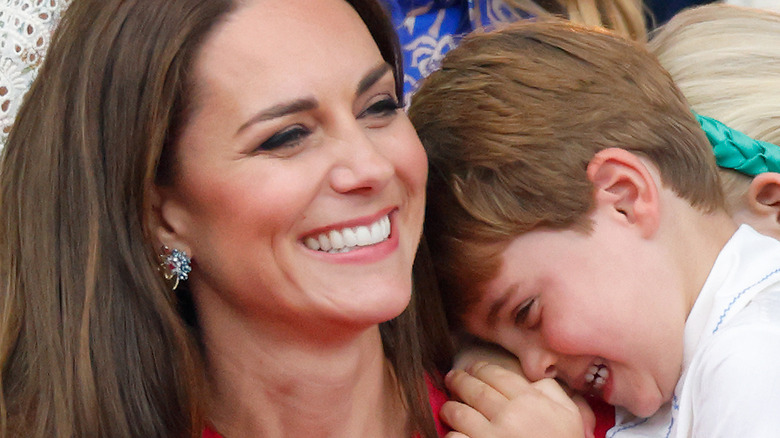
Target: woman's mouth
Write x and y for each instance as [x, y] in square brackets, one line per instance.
[350, 238]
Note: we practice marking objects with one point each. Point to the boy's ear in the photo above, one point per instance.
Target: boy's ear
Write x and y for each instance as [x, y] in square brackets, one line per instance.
[625, 187]
[166, 220]
[763, 196]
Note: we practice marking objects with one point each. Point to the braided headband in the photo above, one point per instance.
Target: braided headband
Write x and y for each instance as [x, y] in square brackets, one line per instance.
[736, 150]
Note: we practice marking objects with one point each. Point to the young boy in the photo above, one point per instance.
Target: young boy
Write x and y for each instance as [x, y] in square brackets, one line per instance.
[576, 218]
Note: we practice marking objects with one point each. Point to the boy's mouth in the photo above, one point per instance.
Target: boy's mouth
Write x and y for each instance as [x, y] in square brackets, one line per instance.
[596, 376]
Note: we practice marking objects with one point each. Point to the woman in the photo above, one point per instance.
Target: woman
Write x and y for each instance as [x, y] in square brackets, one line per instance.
[224, 131]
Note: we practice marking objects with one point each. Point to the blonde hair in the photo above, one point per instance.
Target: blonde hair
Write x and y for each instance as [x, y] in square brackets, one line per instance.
[625, 17]
[726, 61]
[513, 118]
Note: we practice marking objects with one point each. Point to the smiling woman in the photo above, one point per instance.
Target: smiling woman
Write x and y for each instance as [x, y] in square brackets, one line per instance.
[260, 141]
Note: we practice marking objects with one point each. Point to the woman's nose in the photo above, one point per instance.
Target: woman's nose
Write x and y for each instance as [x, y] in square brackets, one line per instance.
[361, 166]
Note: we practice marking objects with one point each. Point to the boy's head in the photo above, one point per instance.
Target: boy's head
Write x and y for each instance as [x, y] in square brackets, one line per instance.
[555, 152]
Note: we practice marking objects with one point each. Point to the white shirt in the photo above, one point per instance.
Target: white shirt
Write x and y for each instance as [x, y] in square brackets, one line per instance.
[730, 383]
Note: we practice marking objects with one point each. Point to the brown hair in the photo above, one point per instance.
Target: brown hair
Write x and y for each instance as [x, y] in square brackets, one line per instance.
[510, 123]
[92, 342]
[725, 60]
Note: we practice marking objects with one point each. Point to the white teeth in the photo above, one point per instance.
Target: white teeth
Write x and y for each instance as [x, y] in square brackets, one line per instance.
[377, 231]
[363, 236]
[324, 242]
[312, 243]
[336, 241]
[347, 239]
[350, 239]
[597, 375]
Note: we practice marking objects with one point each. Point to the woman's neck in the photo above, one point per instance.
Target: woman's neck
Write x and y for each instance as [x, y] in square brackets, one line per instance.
[266, 388]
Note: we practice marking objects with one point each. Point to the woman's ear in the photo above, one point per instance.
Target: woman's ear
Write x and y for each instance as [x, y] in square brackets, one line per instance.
[625, 186]
[166, 220]
[763, 199]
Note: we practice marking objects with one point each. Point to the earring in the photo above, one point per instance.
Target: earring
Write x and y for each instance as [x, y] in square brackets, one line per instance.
[175, 265]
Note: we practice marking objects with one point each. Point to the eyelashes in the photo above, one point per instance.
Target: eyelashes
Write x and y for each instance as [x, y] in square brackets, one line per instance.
[524, 313]
[384, 107]
[291, 136]
[288, 137]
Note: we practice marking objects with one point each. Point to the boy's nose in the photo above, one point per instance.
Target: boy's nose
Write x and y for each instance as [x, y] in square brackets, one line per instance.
[538, 363]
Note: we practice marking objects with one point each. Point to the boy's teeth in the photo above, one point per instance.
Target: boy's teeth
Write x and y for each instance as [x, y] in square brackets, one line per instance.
[347, 239]
[597, 375]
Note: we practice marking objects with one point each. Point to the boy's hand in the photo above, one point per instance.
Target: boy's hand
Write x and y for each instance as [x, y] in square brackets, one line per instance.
[497, 403]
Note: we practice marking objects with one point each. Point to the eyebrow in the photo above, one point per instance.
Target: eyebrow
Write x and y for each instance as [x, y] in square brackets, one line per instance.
[281, 110]
[372, 78]
[495, 308]
[307, 104]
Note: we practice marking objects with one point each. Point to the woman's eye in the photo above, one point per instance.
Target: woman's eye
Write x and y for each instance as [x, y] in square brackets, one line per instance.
[384, 107]
[521, 316]
[286, 138]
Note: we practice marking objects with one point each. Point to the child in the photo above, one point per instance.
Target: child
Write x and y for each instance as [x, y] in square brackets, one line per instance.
[726, 61]
[576, 218]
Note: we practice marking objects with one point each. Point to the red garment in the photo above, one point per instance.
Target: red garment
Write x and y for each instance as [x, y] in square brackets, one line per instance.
[605, 416]
[435, 396]
[208, 432]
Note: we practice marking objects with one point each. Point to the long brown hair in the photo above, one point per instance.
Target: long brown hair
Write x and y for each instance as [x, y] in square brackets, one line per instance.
[92, 342]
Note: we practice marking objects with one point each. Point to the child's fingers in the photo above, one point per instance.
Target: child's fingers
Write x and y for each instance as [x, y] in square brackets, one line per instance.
[508, 383]
[475, 352]
[475, 393]
[463, 419]
[588, 417]
[556, 393]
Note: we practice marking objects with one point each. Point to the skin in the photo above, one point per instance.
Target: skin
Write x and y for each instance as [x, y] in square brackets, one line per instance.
[287, 144]
[499, 403]
[535, 400]
[617, 296]
[761, 205]
[759, 208]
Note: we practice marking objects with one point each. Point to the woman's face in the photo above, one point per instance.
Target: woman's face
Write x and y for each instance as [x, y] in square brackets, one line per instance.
[296, 146]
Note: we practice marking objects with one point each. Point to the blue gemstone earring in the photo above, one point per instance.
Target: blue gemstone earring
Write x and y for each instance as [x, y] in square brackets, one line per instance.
[175, 265]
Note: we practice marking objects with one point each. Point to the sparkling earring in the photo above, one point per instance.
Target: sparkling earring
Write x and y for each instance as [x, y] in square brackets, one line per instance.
[175, 265]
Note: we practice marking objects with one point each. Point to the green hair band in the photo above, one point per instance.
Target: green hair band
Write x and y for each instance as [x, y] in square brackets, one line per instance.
[738, 151]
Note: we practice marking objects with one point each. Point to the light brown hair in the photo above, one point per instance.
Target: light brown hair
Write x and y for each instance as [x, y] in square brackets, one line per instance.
[92, 341]
[510, 123]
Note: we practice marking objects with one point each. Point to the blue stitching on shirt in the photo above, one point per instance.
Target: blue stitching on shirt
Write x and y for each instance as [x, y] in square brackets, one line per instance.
[675, 407]
[627, 426]
[723, 315]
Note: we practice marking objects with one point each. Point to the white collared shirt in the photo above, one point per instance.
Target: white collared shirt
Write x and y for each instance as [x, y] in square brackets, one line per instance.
[730, 383]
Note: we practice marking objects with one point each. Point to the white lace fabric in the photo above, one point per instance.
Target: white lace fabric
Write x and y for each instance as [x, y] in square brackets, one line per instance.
[25, 32]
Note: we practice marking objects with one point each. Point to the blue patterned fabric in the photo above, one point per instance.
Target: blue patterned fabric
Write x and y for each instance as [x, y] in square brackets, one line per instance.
[430, 28]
